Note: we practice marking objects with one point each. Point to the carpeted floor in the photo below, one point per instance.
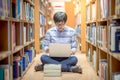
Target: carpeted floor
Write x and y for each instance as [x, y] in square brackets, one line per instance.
[88, 71]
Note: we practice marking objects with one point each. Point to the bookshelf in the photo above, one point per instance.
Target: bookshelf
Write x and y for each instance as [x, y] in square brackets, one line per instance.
[17, 43]
[102, 23]
[43, 17]
[80, 18]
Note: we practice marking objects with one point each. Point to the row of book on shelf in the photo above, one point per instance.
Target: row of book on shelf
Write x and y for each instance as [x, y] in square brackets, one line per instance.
[103, 67]
[101, 38]
[27, 32]
[117, 8]
[20, 9]
[103, 71]
[104, 6]
[20, 64]
[115, 37]
[42, 19]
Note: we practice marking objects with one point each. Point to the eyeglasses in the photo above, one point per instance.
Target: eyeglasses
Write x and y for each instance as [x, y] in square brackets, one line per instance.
[60, 23]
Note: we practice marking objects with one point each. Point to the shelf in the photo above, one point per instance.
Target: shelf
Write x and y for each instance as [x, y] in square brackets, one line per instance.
[4, 54]
[91, 22]
[115, 17]
[17, 48]
[42, 37]
[91, 43]
[42, 12]
[28, 43]
[15, 20]
[31, 22]
[115, 55]
[2, 18]
[102, 20]
[103, 49]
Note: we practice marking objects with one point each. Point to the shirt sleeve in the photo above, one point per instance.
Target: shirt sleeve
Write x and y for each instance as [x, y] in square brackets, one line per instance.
[73, 43]
[46, 41]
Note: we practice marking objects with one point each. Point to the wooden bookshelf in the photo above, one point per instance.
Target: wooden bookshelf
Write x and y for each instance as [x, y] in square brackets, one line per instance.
[80, 17]
[43, 14]
[102, 45]
[17, 34]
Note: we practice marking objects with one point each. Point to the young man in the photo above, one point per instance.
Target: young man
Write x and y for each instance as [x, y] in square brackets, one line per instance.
[60, 33]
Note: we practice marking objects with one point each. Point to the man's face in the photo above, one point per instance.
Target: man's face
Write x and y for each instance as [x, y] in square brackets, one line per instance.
[60, 25]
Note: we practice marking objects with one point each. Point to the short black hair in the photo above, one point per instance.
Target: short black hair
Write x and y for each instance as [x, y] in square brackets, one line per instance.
[60, 16]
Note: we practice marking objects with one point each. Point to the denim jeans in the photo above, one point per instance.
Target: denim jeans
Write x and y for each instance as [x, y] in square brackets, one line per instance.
[66, 62]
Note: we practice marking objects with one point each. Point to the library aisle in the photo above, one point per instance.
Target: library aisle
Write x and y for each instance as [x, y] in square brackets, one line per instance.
[88, 71]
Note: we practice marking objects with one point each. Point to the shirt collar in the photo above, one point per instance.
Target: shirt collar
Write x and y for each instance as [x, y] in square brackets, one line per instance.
[63, 30]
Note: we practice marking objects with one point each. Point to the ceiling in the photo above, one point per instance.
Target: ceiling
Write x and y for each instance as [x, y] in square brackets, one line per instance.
[58, 5]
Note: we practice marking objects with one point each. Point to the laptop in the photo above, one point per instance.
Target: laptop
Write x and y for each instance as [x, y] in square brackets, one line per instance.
[59, 50]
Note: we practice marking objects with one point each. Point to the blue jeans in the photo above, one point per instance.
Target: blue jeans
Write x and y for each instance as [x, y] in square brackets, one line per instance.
[66, 62]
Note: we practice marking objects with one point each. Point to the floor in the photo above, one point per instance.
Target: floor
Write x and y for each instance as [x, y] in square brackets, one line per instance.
[88, 71]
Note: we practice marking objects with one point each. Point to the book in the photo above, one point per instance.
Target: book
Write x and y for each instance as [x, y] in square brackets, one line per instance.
[103, 69]
[116, 76]
[14, 8]
[29, 52]
[15, 69]
[1, 74]
[52, 66]
[1, 8]
[25, 33]
[13, 36]
[117, 40]
[6, 71]
[52, 75]
[52, 70]
[113, 37]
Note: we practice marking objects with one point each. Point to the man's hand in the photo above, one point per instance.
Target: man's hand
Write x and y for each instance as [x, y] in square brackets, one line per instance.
[72, 53]
[47, 51]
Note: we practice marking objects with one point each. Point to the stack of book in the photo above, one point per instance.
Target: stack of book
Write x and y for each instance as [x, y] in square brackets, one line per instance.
[52, 70]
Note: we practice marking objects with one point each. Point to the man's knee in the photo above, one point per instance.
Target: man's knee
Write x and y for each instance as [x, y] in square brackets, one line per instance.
[44, 57]
[74, 59]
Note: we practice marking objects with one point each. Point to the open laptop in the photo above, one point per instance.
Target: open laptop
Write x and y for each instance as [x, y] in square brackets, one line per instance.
[59, 50]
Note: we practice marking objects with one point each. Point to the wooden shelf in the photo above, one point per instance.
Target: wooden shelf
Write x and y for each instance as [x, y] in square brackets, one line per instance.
[42, 37]
[3, 18]
[16, 27]
[28, 43]
[103, 49]
[17, 48]
[115, 55]
[103, 22]
[4, 54]
[42, 12]
[115, 17]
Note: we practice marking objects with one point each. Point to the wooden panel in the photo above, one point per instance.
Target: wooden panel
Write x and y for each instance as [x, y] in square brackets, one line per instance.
[83, 26]
[17, 27]
[3, 36]
[69, 9]
[37, 25]
[115, 65]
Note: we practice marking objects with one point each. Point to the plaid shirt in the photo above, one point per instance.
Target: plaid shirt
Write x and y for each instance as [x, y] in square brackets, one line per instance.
[67, 36]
